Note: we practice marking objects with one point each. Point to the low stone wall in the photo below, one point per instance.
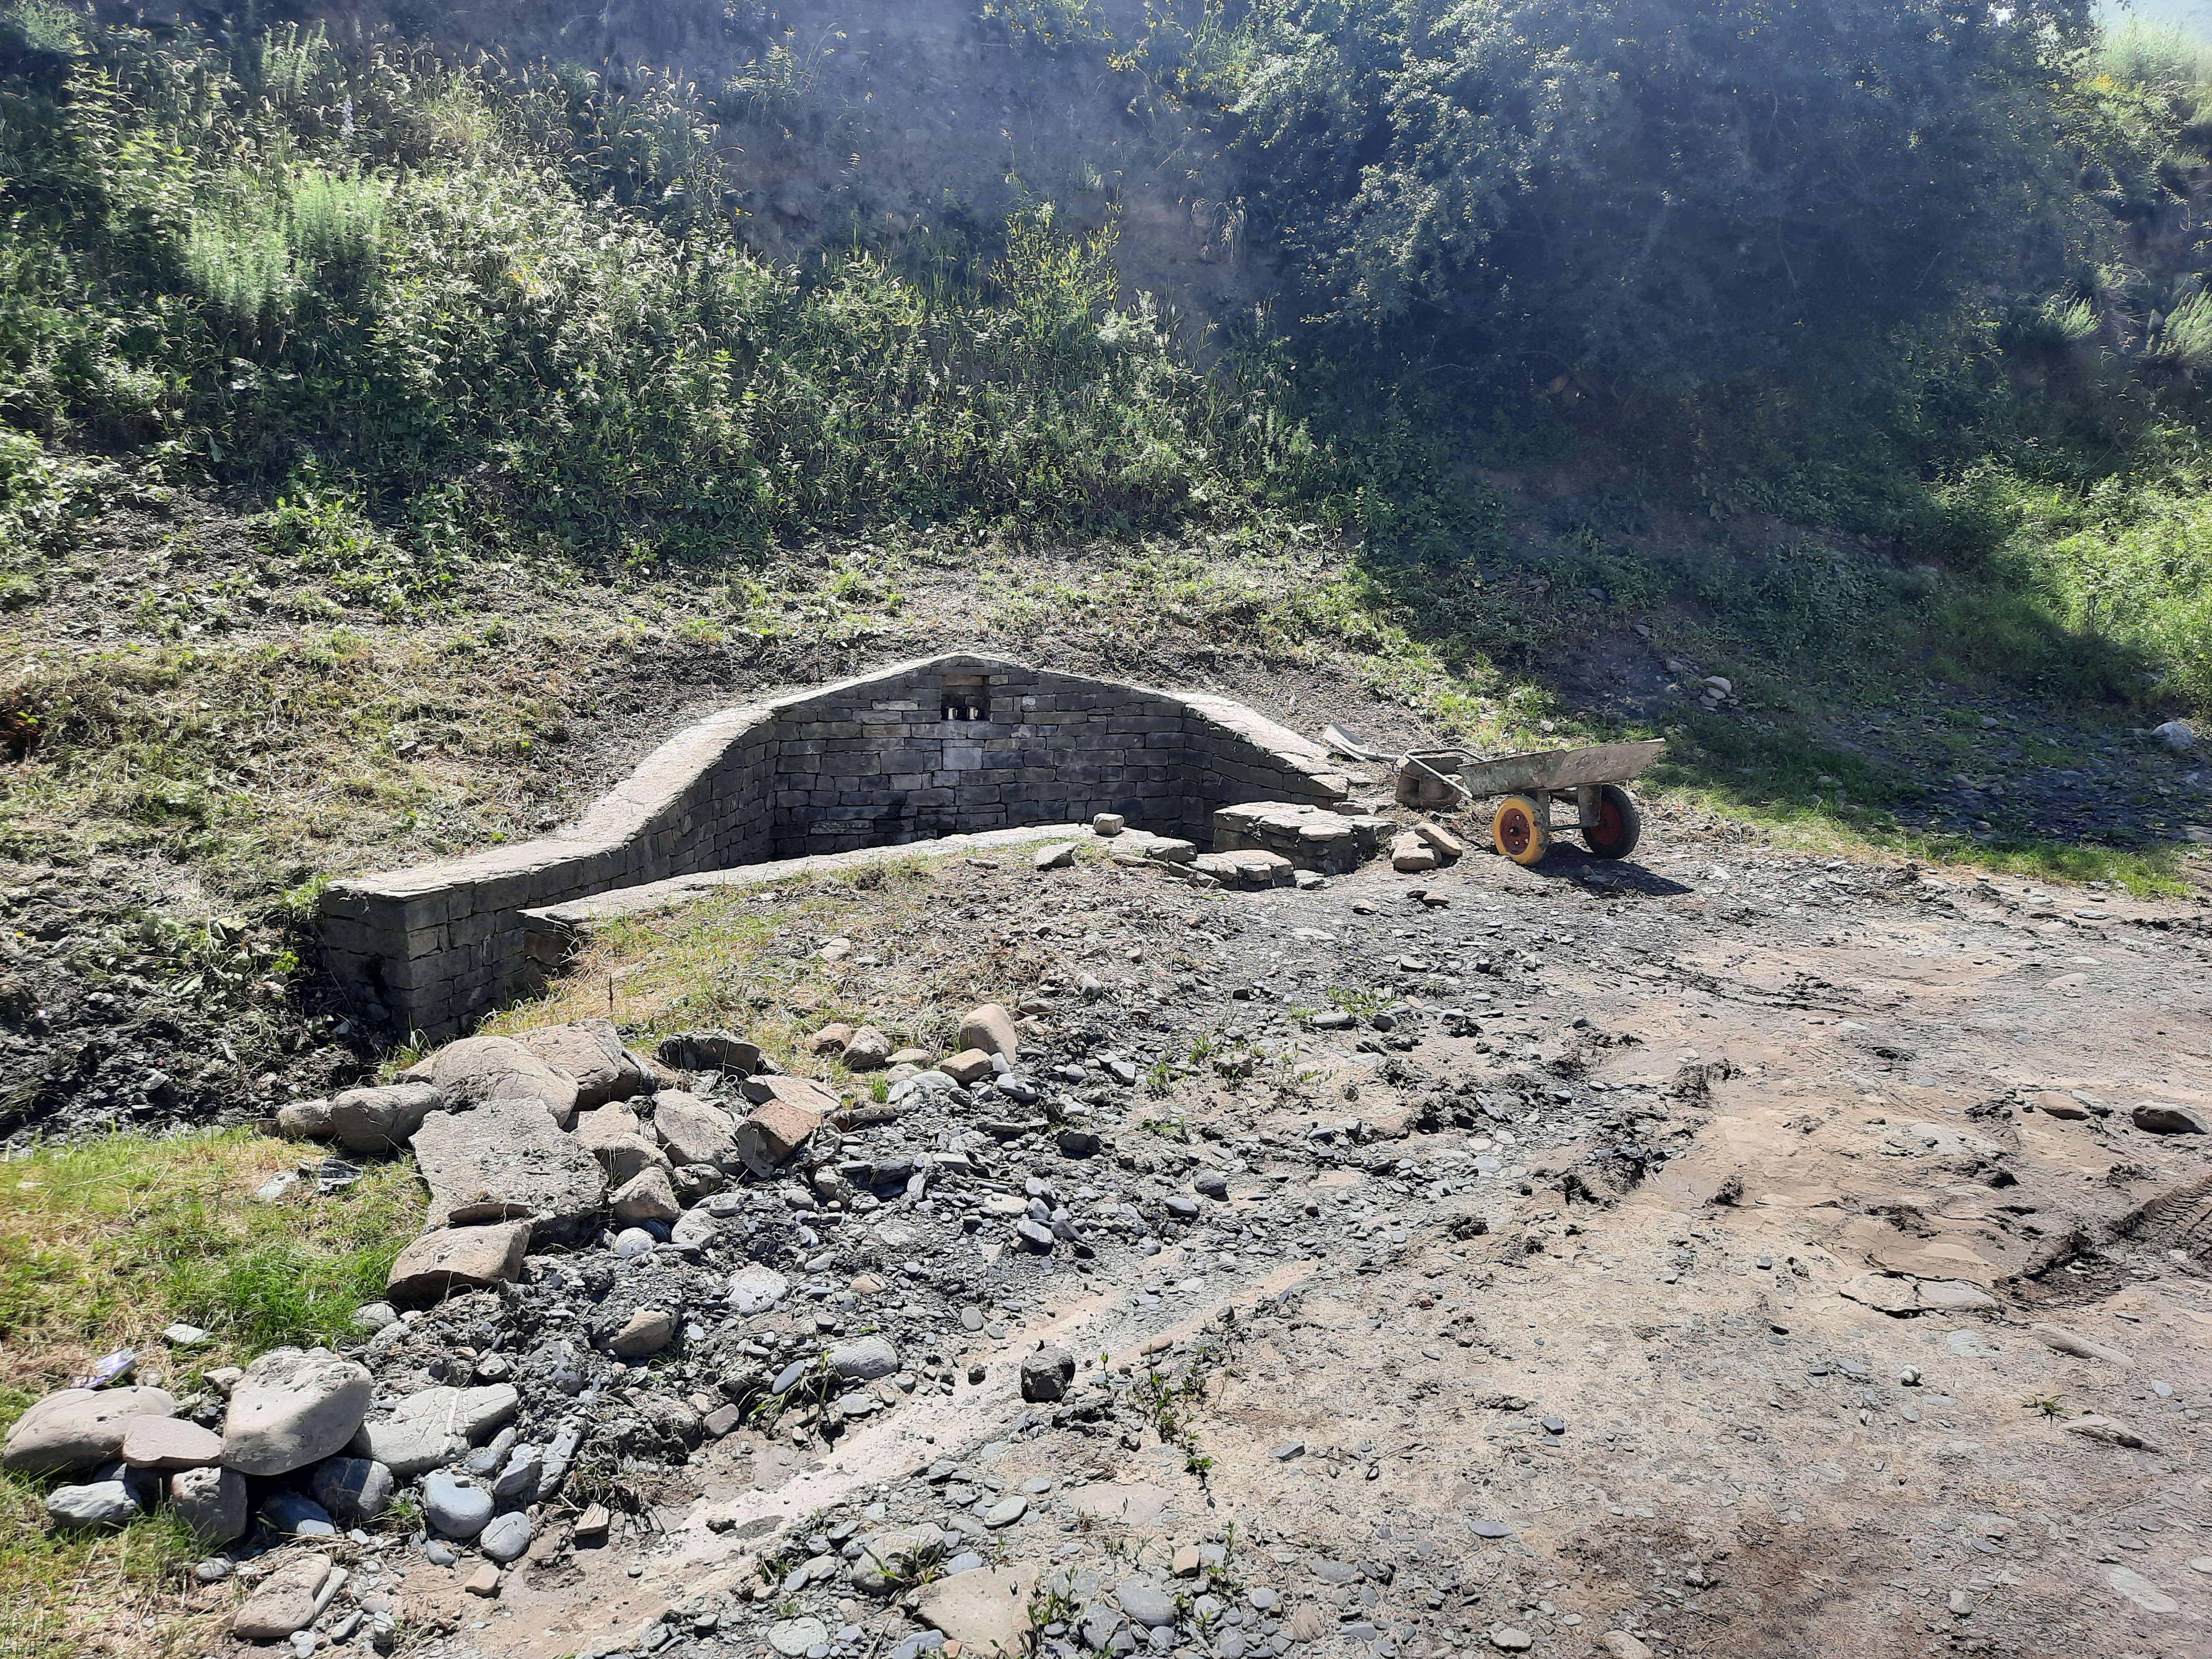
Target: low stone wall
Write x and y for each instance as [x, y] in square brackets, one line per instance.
[870, 762]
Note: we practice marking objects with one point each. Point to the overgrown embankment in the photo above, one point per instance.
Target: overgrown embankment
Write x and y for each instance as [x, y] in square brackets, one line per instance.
[390, 453]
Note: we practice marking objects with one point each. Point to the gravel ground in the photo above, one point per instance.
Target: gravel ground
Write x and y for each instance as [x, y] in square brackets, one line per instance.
[1542, 1300]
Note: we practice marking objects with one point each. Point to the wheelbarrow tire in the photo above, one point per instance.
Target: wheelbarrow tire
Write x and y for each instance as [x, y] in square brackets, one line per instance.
[1618, 826]
[1520, 828]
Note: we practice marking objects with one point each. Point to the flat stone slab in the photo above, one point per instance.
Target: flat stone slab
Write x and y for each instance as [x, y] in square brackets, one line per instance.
[1139, 1503]
[74, 1427]
[652, 898]
[285, 1602]
[427, 1429]
[170, 1443]
[508, 1160]
[452, 1259]
[986, 1611]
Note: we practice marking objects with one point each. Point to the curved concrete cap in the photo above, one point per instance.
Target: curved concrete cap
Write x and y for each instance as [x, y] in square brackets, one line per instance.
[942, 746]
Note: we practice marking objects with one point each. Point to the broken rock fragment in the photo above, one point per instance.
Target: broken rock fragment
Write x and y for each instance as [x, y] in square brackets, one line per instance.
[648, 1195]
[968, 1066]
[773, 1132]
[1410, 855]
[452, 1259]
[507, 1160]
[479, 1070]
[646, 1332]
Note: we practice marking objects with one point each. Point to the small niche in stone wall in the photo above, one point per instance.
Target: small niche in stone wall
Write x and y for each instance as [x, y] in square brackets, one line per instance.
[966, 697]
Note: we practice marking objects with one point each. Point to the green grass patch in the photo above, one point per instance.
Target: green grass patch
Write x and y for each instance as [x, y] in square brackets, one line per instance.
[70, 1594]
[101, 1245]
[104, 1243]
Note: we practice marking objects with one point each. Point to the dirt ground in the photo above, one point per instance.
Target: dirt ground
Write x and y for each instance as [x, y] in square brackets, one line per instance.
[1585, 1332]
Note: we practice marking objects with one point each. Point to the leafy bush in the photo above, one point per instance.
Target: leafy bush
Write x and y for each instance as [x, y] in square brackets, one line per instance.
[419, 292]
[1680, 193]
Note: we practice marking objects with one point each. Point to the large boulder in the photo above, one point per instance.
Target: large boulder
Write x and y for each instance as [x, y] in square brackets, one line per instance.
[590, 1054]
[454, 1259]
[291, 1409]
[505, 1161]
[211, 1503]
[378, 1121]
[477, 1070]
[433, 1426]
[77, 1427]
[693, 1131]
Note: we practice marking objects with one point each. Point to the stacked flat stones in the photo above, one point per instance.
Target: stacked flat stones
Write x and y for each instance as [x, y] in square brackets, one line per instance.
[1262, 843]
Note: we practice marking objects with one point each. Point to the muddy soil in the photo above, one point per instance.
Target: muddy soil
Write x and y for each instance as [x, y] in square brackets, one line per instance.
[1727, 1252]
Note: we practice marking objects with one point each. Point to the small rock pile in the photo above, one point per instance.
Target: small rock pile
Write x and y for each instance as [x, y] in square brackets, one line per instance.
[591, 1207]
[277, 1441]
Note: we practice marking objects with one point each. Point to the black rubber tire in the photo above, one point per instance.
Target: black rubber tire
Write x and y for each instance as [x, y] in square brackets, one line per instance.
[1619, 825]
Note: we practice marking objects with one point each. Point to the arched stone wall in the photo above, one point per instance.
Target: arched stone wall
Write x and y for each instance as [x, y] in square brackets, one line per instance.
[871, 761]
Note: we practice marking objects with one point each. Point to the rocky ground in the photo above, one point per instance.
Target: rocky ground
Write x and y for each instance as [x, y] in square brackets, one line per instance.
[1723, 1252]
[214, 732]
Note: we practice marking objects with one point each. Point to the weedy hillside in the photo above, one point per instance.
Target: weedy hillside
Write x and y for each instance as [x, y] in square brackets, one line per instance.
[400, 431]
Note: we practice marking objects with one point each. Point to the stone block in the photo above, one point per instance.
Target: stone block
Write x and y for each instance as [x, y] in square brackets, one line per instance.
[773, 1132]
[439, 1263]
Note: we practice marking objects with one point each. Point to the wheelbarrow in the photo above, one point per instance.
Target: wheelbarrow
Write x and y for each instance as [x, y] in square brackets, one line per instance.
[1605, 813]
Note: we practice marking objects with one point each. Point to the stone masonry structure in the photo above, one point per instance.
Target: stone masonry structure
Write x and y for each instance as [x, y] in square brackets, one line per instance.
[946, 745]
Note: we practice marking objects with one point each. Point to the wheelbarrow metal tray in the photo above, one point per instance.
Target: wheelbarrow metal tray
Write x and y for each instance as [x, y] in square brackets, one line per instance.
[1560, 769]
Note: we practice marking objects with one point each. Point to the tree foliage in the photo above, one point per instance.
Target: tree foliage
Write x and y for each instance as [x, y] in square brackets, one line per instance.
[1677, 189]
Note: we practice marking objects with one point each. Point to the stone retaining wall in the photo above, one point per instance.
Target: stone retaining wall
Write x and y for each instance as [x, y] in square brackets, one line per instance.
[869, 761]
